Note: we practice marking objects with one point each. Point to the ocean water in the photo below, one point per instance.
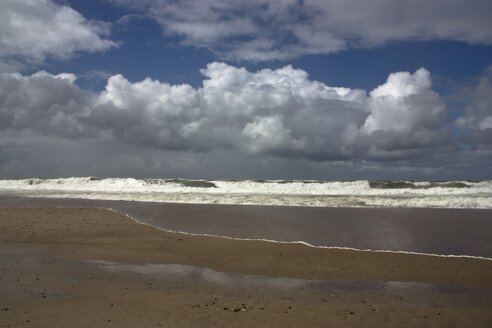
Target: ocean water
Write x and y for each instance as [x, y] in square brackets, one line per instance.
[361, 193]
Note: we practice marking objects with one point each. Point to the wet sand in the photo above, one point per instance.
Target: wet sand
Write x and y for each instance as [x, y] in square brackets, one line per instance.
[421, 230]
[89, 267]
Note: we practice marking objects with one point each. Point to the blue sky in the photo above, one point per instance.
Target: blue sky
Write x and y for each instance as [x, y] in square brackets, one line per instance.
[160, 56]
[259, 89]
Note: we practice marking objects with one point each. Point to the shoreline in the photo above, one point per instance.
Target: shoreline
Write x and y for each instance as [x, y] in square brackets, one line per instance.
[300, 242]
[290, 260]
[435, 232]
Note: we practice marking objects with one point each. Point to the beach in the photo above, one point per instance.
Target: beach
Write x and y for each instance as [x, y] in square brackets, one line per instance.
[214, 163]
[78, 267]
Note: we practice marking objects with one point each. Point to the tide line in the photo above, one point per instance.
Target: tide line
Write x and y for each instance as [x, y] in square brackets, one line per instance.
[300, 242]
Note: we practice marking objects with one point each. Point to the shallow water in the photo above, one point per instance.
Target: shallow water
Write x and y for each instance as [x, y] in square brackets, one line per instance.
[231, 280]
[429, 231]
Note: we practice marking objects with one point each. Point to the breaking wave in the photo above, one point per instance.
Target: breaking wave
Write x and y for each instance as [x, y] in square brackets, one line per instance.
[362, 193]
[417, 185]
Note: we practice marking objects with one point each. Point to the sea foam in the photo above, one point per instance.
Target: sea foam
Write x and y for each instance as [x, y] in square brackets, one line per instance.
[361, 193]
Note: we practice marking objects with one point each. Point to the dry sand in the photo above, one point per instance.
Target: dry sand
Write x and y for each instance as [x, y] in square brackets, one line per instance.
[91, 267]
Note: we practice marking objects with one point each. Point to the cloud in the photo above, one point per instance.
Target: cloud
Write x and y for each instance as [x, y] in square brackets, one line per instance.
[279, 113]
[405, 114]
[45, 104]
[478, 112]
[239, 123]
[260, 30]
[148, 113]
[477, 116]
[32, 30]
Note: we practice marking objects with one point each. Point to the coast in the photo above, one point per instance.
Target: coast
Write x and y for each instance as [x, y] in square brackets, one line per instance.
[462, 232]
[107, 255]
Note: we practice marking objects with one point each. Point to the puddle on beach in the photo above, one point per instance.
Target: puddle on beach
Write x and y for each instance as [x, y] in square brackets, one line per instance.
[56, 273]
[36, 258]
[232, 280]
[200, 274]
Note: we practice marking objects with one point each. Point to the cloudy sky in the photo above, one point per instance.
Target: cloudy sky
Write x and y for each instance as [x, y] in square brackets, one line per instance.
[338, 89]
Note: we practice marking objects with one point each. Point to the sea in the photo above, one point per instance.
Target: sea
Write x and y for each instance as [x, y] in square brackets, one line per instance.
[310, 193]
[445, 218]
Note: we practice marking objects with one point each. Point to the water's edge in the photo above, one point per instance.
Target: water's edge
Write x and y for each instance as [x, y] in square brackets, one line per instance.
[409, 231]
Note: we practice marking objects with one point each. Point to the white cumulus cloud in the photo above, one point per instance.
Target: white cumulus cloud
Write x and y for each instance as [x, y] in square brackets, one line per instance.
[390, 105]
[147, 112]
[32, 30]
[405, 113]
[280, 113]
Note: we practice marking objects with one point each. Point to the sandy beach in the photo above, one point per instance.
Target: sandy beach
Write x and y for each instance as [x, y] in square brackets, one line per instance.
[79, 267]
[215, 163]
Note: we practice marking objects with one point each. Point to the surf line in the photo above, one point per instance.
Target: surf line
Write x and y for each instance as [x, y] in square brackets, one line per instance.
[297, 242]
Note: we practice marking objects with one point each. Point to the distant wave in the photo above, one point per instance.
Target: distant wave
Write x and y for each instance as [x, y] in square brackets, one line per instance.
[417, 185]
[183, 182]
[360, 193]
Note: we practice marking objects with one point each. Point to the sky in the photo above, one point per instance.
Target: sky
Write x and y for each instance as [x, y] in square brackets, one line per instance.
[259, 89]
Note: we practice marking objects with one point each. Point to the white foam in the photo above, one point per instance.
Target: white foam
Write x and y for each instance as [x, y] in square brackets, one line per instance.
[249, 192]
